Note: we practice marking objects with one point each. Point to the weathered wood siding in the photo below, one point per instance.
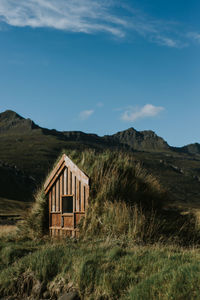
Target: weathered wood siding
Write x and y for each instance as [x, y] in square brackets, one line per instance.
[66, 180]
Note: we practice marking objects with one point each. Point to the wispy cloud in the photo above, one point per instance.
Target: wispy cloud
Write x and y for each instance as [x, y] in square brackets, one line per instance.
[85, 114]
[194, 36]
[169, 42]
[90, 17]
[100, 104]
[87, 16]
[132, 114]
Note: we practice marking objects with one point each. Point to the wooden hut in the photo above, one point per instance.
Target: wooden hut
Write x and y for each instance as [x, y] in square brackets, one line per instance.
[67, 188]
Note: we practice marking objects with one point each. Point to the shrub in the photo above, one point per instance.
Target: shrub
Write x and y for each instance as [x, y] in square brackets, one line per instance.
[35, 223]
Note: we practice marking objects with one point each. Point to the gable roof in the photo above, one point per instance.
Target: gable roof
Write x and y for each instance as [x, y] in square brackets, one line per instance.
[65, 161]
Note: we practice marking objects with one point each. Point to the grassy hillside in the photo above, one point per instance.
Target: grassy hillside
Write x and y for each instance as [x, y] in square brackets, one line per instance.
[177, 172]
[124, 200]
[36, 153]
[15, 184]
[130, 245]
[13, 207]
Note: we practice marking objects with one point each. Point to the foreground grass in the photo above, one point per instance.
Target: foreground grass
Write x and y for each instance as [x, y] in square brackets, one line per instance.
[100, 269]
[7, 229]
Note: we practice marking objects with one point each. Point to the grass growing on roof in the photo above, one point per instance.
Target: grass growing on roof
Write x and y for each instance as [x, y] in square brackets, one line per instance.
[116, 180]
[124, 201]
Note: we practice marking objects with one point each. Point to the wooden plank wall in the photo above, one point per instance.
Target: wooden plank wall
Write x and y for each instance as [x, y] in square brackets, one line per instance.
[55, 220]
[68, 182]
[63, 184]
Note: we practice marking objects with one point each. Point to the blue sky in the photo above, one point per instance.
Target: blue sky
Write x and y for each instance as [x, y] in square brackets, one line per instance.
[103, 66]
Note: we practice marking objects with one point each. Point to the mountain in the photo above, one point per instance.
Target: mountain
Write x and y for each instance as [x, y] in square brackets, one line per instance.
[140, 140]
[33, 150]
[192, 148]
[12, 123]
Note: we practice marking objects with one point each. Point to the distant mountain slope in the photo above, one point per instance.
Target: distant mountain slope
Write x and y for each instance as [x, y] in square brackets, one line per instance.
[33, 150]
[15, 184]
[140, 140]
[192, 148]
[9, 207]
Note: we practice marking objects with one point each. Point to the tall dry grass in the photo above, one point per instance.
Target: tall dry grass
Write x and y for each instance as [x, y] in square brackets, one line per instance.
[35, 223]
[120, 221]
[124, 201]
[117, 176]
[7, 230]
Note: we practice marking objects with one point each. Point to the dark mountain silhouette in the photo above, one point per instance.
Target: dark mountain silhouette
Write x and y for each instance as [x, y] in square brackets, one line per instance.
[33, 149]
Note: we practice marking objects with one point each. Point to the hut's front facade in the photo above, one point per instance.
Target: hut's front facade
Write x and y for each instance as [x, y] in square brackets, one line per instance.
[67, 189]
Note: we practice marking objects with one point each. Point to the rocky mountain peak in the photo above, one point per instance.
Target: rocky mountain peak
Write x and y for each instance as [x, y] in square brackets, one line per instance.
[192, 148]
[9, 115]
[13, 123]
[141, 140]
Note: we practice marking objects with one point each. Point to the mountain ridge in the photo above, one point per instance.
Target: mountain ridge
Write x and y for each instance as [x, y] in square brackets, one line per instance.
[33, 150]
[146, 140]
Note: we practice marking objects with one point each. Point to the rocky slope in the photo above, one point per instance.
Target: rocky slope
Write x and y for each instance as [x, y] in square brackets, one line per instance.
[192, 148]
[12, 123]
[140, 140]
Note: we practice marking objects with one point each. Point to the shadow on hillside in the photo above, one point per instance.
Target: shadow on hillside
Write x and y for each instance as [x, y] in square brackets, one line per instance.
[179, 226]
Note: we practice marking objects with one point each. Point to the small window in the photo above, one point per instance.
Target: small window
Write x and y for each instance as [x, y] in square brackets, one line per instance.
[67, 204]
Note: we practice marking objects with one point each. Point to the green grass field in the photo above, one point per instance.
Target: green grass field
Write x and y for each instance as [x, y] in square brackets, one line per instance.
[98, 269]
